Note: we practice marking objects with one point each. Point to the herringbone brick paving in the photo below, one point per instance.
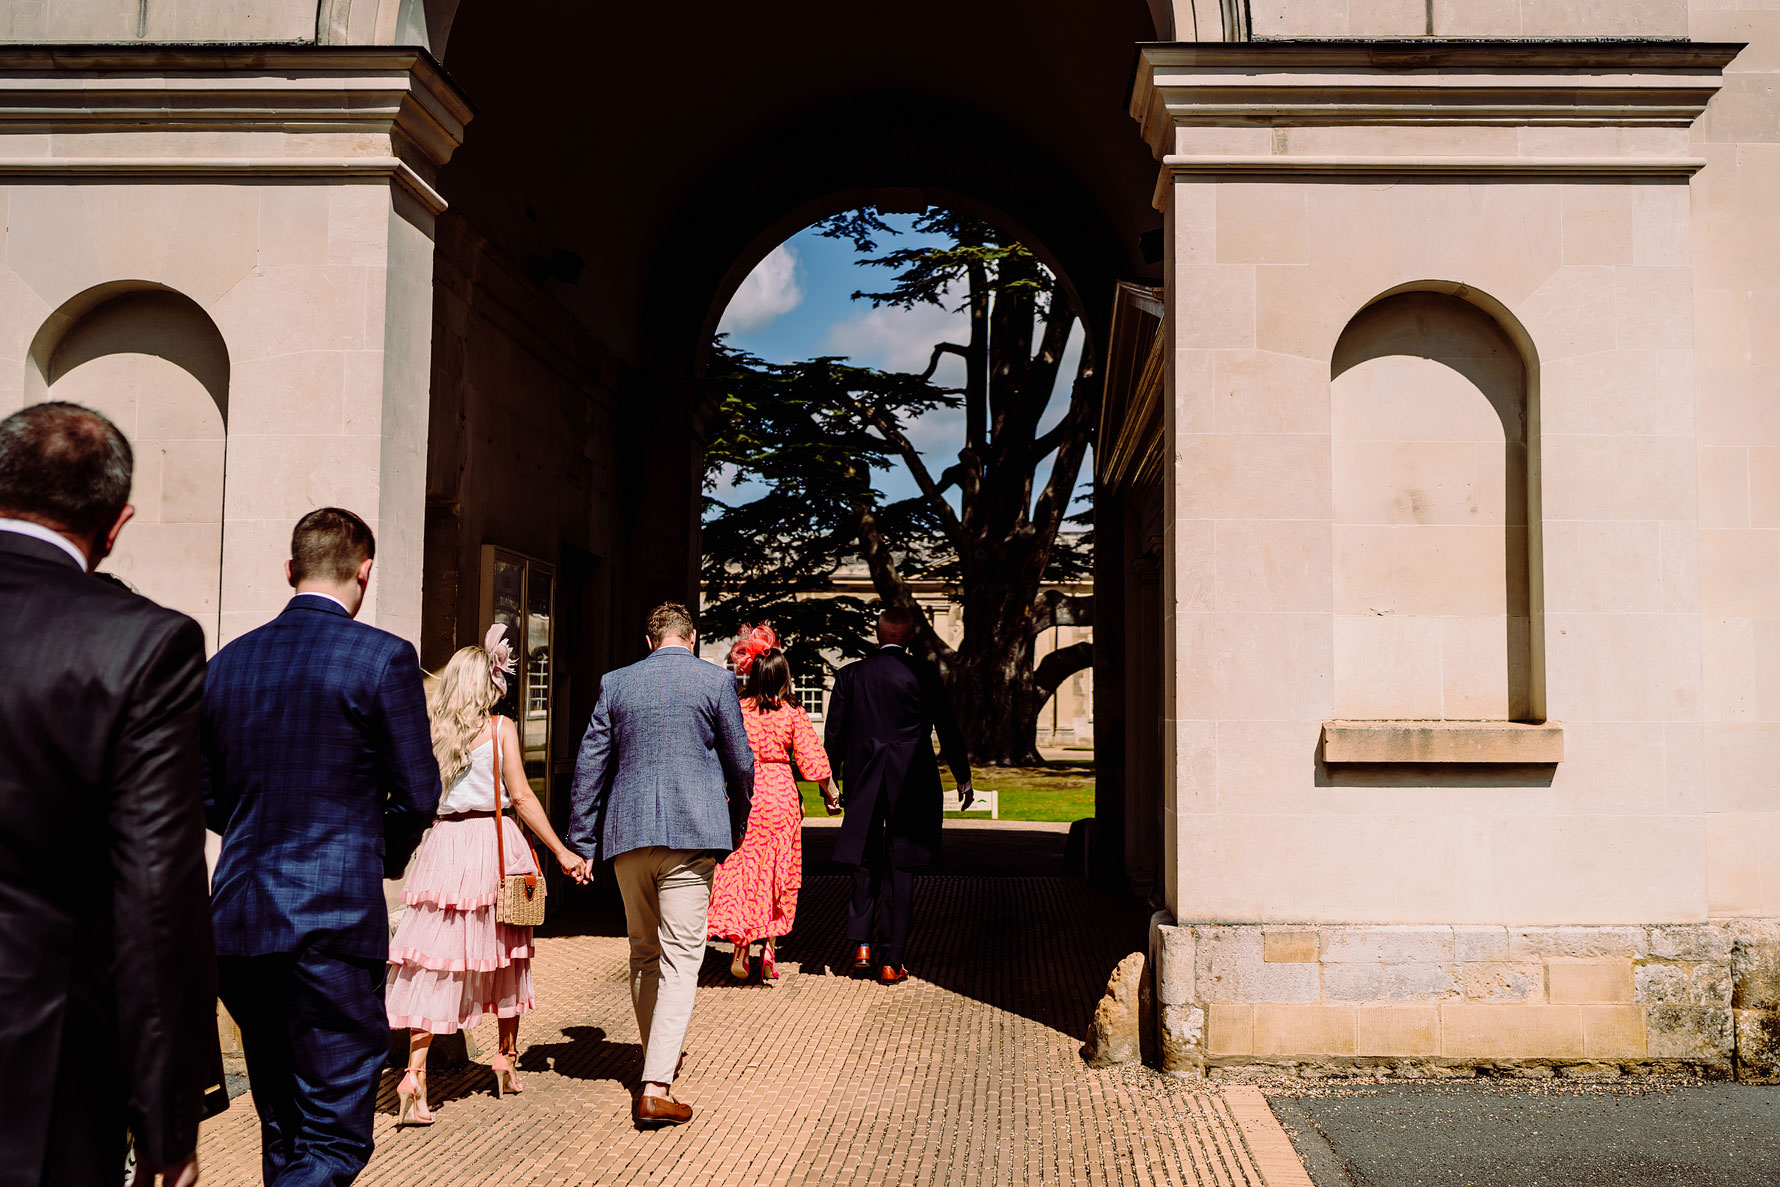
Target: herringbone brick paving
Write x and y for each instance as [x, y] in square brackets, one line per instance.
[967, 1074]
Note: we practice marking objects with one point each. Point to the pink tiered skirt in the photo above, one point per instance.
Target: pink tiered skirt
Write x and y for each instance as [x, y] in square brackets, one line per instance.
[449, 961]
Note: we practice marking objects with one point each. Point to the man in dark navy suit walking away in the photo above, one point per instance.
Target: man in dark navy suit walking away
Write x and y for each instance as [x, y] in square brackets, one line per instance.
[320, 771]
[882, 716]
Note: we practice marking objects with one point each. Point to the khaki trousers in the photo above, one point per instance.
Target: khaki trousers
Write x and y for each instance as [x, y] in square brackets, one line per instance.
[667, 895]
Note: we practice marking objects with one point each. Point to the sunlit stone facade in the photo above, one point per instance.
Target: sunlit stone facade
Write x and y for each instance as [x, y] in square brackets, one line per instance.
[1437, 692]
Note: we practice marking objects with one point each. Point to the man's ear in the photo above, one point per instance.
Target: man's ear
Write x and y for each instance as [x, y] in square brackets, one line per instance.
[290, 575]
[102, 547]
[648, 643]
[364, 573]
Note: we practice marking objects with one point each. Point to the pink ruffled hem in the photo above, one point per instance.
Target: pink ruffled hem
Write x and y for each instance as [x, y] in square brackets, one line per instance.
[434, 898]
[426, 960]
[446, 1026]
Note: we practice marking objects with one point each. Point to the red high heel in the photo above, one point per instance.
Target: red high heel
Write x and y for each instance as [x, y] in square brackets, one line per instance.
[411, 1092]
[769, 968]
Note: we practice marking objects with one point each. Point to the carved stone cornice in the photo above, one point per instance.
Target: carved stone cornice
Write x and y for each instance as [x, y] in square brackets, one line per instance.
[182, 113]
[1340, 109]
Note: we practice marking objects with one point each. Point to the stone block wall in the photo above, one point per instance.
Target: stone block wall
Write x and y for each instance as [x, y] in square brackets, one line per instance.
[1463, 1000]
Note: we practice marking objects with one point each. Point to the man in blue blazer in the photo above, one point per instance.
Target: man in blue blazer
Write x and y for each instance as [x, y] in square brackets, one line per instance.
[320, 774]
[662, 788]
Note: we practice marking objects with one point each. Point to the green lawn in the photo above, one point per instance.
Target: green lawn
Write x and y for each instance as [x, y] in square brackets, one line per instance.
[1061, 792]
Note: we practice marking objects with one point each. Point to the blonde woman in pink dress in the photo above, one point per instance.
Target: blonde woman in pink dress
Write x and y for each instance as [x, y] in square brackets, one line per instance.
[754, 894]
[450, 962]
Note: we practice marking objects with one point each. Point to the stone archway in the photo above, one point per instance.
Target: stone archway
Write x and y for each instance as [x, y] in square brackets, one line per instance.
[611, 199]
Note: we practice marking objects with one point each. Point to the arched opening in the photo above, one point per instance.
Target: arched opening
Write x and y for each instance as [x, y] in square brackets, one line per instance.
[153, 361]
[1434, 433]
[963, 381]
[608, 202]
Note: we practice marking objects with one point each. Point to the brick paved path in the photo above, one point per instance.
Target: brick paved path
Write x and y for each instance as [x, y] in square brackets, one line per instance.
[969, 1073]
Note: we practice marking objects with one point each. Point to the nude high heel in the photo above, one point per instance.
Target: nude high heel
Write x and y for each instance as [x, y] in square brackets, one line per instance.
[506, 1076]
[738, 963]
[411, 1092]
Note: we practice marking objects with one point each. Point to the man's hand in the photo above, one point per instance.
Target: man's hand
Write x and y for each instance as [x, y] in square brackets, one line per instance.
[966, 796]
[575, 866]
[183, 1173]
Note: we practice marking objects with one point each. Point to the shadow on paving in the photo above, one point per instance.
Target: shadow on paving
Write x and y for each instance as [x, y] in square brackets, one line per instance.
[1029, 940]
[1624, 1134]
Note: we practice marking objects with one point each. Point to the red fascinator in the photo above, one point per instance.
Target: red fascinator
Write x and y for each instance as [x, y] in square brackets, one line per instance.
[754, 641]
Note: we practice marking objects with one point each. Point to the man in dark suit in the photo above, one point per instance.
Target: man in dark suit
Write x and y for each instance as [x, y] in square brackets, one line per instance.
[881, 719]
[662, 788]
[319, 763]
[107, 989]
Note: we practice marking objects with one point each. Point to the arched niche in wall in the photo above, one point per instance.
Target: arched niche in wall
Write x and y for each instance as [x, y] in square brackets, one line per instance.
[1435, 511]
[153, 361]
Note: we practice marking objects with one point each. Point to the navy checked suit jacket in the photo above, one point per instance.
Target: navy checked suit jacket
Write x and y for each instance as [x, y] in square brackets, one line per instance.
[317, 756]
[665, 760]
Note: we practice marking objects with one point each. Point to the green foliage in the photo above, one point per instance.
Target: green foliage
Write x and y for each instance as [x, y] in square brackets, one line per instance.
[803, 431]
[816, 434]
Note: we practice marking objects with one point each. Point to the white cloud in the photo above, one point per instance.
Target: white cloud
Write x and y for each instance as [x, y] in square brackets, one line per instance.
[892, 339]
[773, 289]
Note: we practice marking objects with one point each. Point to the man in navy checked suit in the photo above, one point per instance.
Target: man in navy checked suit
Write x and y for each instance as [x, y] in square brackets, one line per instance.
[320, 771]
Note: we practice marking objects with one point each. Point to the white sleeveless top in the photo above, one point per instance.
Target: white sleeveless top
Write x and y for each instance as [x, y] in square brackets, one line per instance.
[474, 789]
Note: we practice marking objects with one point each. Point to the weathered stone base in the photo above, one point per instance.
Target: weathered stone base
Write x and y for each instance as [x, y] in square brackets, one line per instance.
[1427, 1001]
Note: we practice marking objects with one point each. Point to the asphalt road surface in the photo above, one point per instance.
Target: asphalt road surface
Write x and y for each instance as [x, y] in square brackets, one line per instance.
[1541, 1134]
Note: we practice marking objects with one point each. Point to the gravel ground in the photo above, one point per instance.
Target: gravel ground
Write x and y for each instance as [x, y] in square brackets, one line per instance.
[1647, 1131]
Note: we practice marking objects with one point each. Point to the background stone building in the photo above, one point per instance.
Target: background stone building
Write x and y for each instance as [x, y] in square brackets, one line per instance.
[1067, 720]
[1443, 389]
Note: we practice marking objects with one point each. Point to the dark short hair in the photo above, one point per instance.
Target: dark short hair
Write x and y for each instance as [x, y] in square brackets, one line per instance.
[899, 619]
[329, 544]
[670, 620]
[769, 679]
[64, 465]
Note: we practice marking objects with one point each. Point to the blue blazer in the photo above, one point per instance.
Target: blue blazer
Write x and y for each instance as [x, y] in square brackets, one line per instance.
[665, 760]
[317, 754]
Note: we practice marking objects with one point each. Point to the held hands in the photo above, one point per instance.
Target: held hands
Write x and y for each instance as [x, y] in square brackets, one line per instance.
[575, 866]
[966, 796]
[183, 1173]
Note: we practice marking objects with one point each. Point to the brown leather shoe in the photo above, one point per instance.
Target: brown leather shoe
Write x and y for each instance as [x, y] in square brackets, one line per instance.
[660, 1110]
[892, 976]
[862, 957]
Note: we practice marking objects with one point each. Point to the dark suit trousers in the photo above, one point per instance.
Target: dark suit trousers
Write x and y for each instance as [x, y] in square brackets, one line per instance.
[882, 895]
[316, 1039]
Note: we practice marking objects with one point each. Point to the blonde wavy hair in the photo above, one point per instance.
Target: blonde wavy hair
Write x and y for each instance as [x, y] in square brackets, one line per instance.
[459, 703]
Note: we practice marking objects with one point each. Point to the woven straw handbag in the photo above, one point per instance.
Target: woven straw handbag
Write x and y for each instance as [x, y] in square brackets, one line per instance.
[519, 898]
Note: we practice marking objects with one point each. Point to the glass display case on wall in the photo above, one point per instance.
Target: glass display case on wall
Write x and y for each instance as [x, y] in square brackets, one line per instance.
[520, 592]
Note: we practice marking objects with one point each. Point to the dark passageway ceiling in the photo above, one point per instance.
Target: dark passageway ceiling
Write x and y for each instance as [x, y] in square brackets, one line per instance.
[668, 146]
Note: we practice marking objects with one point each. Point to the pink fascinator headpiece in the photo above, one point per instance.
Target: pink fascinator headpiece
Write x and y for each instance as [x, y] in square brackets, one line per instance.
[754, 641]
[500, 656]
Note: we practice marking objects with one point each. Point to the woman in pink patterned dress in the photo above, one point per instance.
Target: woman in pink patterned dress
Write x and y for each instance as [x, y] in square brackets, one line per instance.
[754, 896]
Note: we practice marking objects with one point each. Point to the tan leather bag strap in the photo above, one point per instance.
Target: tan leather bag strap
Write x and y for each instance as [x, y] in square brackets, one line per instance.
[500, 832]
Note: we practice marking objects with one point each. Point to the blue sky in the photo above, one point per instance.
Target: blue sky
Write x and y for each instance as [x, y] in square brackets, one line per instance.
[797, 304]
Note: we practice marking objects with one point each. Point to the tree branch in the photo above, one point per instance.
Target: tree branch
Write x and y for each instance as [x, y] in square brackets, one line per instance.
[911, 458]
[940, 349]
[1060, 665]
[893, 589]
[1056, 608]
[1072, 442]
